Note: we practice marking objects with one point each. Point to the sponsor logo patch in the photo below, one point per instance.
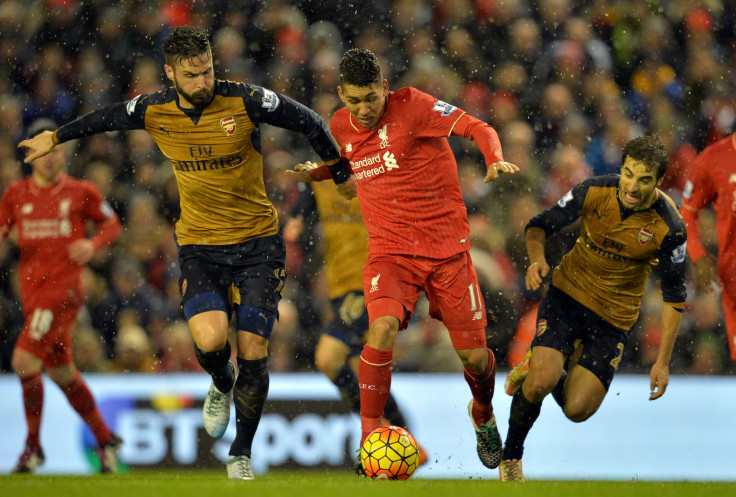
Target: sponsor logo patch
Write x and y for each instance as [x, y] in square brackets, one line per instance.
[270, 100]
[130, 107]
[444, 108]
[564, 200]
[678, 255]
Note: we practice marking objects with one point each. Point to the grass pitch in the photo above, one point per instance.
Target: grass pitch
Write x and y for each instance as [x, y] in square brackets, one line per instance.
[332, 484]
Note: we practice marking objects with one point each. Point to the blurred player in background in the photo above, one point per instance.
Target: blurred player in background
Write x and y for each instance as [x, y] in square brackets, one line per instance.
[712, 181]
[407, 183]
[51, 211]
[345, 240]
[628, 227]
[231, 254]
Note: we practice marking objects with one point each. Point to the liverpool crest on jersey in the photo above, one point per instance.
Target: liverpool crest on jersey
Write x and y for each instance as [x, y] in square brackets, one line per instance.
[228, 125]
[383, 135]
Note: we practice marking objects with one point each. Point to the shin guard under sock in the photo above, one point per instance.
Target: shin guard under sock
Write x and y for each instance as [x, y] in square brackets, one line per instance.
[251, 390]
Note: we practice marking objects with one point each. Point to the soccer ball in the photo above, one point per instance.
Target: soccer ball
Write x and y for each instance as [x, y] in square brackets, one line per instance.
[389, 453]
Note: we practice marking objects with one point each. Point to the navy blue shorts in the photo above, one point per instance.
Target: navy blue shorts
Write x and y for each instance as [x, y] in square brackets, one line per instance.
[350, 323]
[220, 277]
[566, 325]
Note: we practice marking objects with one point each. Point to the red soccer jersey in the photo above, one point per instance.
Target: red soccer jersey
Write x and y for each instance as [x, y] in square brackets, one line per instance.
[713, 181]
[48, 220]
[406, 176]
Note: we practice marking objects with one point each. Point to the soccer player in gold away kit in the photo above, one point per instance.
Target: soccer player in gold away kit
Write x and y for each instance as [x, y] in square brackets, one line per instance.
[231, 254]
[628, 226]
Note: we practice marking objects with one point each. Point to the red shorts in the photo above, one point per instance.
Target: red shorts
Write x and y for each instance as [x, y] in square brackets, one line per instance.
[451, 286]
[46, 334]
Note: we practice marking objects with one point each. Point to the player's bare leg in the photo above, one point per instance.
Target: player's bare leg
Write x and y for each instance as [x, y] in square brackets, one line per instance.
[584, 394]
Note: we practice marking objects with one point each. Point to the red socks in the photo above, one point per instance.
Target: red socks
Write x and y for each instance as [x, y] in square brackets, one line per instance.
[374, 377]
[82, 401]
[32, 387]
[482, 386]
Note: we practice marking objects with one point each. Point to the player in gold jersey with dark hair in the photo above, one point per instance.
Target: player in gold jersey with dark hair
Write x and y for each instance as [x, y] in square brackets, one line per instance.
[231, 254]
[628, 226]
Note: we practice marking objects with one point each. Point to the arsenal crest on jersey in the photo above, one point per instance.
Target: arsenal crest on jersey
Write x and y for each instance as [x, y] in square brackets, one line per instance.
[645, 236]
[541, 326]
[228, 125]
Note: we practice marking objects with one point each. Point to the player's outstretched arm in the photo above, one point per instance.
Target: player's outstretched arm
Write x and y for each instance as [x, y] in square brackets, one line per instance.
[497, 168]
[659, 376]
[38, 146]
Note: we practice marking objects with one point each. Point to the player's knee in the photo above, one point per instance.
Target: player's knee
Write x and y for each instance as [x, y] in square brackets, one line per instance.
[536, 388]
[251, 346]
[382, 333]
[577, 412]
[475, 360]
[24, 365]
[212, 342]
[63, 376]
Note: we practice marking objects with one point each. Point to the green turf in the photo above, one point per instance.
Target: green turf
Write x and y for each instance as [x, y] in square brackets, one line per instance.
[333, 484]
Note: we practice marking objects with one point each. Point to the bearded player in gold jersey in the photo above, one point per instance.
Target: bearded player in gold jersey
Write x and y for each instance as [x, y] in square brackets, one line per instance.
[628, 226]
[231, 254]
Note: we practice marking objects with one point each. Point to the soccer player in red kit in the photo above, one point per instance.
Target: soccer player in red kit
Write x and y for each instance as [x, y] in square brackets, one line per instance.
[406, 179]
[51, 211]
[712, 181]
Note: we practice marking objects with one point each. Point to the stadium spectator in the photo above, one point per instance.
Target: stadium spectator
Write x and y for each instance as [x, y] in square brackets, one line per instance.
[89, 351]
[134, 351]
[176, 350]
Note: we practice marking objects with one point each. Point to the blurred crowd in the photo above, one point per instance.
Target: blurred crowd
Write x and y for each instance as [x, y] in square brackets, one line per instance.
[565, 83]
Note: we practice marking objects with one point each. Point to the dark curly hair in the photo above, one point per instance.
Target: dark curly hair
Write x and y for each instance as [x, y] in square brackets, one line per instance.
[186, 42]
[360, 67]
[649, 150]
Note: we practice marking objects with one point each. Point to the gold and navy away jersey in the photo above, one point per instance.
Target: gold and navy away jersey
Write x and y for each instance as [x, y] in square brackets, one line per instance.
[215, 153]
[608, 268]
[343, 232]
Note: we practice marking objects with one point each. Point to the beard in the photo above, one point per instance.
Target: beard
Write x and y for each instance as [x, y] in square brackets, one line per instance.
[199, 99]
